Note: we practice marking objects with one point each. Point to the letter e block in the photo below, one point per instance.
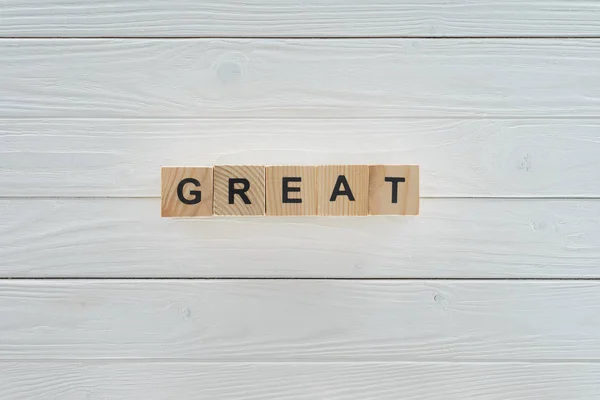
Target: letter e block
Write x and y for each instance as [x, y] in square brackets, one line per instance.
[239, 190]
[186, 191]
[394, 190]
[343, 189]
[291, 190]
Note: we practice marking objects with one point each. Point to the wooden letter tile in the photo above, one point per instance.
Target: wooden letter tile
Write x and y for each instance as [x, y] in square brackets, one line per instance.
[394, 190]
[186, 191]
[291, 190]
[239, 190]
[343, 189]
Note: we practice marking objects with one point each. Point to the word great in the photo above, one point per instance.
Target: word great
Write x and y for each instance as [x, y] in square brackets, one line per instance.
[342, 190]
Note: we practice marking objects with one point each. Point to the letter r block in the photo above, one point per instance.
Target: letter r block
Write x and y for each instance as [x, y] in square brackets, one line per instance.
[343, 189]
[394, 190]
[239, 190]
[291, 190]
[186, 191]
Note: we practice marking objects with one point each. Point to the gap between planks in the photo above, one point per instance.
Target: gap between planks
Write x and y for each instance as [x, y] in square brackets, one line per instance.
[266, 278]
[305, 118]
[295, 37]
[187, 361]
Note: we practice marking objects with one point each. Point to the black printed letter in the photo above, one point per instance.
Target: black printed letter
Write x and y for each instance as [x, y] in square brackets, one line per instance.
[395, 187]
[197, 194]
[241, 192]
[341, 180]
[286, 189]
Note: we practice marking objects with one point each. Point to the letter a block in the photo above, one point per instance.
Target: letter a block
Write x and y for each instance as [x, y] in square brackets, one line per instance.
[186, 191]
[394, 190]
[239, 190]
[343, 189]
[291, 190]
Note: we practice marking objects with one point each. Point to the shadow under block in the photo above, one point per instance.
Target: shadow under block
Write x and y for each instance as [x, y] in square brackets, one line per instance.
[343, 190]
[291, 190]
[394, 190]
[186, 192]
[239, 190]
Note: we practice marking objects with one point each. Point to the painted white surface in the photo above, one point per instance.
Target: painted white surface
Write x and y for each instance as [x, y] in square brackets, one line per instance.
[458, 157]
[452, 238]
[299, 78]
[85, 125]
[300, 320]
[309, 18]
[348, 381]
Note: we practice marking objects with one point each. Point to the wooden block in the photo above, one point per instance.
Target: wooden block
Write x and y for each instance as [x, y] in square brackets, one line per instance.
[291, 190]
[394, 190]
[186, 191]
[239, 190]
[343, 189]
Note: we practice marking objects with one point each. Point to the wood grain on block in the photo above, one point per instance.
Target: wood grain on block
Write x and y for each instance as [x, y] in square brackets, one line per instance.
[298, 320]
[186, 191]
[239, 190]
[291, 190]
[176, 379]
[343, 190]
[394, 190]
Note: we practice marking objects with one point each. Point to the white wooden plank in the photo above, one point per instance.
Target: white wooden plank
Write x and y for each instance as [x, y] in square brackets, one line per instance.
[292, 18]
[452, 238]
[295, 320]
[488, 157]
[299, 78]
[342, 381]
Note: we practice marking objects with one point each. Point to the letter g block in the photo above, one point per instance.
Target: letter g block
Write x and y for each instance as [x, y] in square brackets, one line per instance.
[186, 191]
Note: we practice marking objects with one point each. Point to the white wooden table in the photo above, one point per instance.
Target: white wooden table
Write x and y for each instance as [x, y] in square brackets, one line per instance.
[492, 293]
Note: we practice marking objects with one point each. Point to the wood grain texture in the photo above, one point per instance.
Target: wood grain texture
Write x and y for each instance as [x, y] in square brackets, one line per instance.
[300, 78]
[502, 117]
[300, 195]
[482, 157]
[199, 192]
[343, 190]
[246, 197]
[452, 238]
[286, 380]
[62, 18]
[394, 190]
[300, 321]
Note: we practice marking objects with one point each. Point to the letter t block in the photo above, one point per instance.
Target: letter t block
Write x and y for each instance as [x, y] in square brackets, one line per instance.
[239, 190]
[394, 190]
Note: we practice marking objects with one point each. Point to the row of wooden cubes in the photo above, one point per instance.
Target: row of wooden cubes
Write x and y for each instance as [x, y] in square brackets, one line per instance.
[333, 190]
